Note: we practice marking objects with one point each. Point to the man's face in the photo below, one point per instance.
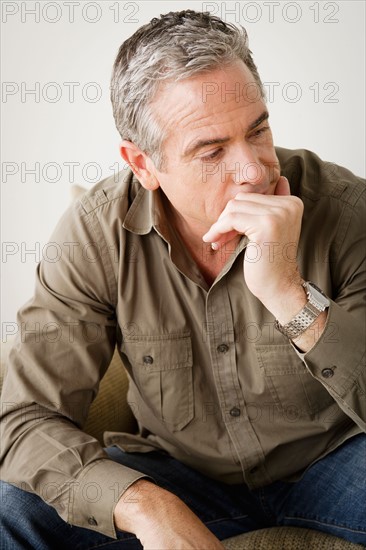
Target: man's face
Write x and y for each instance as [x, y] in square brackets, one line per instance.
[218, 143]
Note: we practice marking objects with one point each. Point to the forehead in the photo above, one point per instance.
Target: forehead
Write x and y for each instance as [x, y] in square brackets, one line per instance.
[209, 102]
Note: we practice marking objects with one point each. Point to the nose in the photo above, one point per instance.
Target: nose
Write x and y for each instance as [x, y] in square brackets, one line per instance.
[248, 168]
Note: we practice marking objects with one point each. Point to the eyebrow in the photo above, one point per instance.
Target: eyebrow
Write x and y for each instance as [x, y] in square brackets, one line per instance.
[198, 144]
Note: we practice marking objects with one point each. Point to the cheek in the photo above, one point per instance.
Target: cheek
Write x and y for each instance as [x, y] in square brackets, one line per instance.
[272, 165]
[202, 175]
[205, 193]
[198, 189]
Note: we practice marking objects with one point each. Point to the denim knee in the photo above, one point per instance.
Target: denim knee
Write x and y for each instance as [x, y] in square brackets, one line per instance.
[25, 519]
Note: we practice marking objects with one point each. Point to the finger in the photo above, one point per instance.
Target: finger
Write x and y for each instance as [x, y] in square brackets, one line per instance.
[222, 240]
[282, 187]
[215, 234]
[254, 203]
[246, 207]
[235, 218]
[261, 200]
[233, 222]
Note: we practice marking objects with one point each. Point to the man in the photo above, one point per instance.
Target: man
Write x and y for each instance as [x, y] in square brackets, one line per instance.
[237, 429]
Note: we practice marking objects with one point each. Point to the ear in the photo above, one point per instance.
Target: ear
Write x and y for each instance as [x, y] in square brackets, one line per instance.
[140, 164]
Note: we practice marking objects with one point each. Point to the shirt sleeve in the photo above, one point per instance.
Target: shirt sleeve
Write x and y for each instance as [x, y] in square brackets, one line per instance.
[66, 338]
[337, 359]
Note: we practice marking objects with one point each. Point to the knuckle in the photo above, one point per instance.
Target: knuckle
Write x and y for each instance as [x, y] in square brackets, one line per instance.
[296, 201]
[240, 196]
[271, 223]
[231, 205]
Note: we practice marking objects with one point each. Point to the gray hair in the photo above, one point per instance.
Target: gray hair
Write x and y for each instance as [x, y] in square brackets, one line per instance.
[173, 47]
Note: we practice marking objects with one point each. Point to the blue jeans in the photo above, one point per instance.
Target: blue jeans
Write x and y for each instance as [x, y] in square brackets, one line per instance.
[330, 497]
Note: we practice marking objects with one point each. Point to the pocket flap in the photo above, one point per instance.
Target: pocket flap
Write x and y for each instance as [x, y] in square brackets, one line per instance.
[159, 353]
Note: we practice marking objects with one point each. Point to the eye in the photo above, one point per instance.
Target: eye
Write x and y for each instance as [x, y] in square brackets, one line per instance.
[212, 156]
[259, 132]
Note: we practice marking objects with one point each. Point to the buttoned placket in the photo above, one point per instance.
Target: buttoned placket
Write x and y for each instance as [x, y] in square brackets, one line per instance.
[225, 373]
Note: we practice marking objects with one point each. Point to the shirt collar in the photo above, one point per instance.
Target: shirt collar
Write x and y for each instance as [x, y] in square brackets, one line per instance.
[139, 218]
[147, 212]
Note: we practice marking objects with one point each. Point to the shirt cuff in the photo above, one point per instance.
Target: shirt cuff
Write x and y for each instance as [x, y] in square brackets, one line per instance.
[96, 492]
[336, 358]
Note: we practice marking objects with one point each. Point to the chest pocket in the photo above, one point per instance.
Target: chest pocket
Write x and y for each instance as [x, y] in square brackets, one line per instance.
[294, 390]
[161, 367]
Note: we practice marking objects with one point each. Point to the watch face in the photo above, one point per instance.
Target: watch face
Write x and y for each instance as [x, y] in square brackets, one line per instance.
[317, 293]
[317, 288]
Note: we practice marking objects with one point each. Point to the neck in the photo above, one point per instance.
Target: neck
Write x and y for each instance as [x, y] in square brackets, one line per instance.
[209, 261]
[191, 231]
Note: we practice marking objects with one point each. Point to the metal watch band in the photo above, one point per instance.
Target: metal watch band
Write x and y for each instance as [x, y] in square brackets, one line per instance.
[312, 309]
[300, 322]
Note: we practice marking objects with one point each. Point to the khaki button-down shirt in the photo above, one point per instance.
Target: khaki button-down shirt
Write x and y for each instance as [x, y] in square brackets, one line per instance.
[211, 380]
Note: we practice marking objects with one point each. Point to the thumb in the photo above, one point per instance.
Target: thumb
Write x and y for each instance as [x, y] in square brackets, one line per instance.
[282, 187]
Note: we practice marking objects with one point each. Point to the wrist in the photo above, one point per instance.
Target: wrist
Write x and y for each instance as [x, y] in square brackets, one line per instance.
[311, 335]
[285, 303]
[302, 316]
[133, 505]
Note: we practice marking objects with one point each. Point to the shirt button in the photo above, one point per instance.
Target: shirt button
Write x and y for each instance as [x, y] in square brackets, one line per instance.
[148, 360]
[235, 411]
[92, 521]
[327, 373]
[222, 348]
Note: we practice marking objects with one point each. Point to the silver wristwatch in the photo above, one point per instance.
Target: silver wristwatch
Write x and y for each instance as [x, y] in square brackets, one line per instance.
[317, 302]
